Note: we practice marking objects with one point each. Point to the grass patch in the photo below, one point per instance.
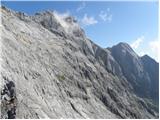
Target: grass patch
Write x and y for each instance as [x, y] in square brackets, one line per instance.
[61, 77]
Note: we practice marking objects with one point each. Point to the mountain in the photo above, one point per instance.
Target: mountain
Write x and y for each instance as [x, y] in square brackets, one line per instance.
[139, 71]
[50, 69]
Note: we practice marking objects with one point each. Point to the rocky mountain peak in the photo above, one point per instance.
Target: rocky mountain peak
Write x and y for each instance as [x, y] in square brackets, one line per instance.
[59, 23]
[137, 69]
[124, 45]
[70, 20]
[55, 71]
[148, 58]
[125, 49]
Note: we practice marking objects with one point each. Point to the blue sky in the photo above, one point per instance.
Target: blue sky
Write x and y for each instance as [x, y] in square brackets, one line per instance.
[108, 23]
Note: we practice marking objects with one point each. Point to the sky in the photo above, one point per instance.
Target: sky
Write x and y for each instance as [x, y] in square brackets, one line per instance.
[108, 23]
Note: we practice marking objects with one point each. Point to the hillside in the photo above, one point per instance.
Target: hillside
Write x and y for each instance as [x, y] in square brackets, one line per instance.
[57, 72]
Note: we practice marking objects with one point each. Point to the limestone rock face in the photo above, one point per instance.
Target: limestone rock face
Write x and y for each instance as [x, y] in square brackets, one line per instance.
[59, 73]
[141, 72]
[8, 100]
[152, 69]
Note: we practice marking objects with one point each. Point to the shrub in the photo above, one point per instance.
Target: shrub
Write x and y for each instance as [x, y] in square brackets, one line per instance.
[61, 77]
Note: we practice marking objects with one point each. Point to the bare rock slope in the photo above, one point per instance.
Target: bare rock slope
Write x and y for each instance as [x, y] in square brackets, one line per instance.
[57, 72]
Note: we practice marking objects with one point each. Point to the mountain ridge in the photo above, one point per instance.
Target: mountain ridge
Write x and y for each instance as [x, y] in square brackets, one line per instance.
[62, 74]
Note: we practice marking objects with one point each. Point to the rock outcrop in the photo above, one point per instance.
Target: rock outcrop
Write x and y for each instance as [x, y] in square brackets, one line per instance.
[141, 72]
[59, 73]
[8, 100]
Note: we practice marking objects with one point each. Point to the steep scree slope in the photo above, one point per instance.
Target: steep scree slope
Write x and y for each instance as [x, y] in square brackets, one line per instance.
[59, 73]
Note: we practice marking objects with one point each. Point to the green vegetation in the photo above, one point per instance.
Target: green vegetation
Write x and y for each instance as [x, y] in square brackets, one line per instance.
[61, 77]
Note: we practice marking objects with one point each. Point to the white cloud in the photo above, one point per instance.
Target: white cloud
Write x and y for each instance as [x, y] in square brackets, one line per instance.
[154, 47]
[141, 53]
[86, 20]
[106, 16]
[137, 42]
[150, 48]
[60, 18]
[81, 6]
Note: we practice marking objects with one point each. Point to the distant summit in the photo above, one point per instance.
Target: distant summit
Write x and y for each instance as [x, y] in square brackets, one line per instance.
[50, 69]
[135, 70]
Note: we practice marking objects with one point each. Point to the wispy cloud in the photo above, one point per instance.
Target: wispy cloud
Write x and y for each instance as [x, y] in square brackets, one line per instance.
[154, 47]
[106, 15]
[88, 20]
[149, 47]
[60, 17]
[81, 6]
[141, 53]
[137, 42]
